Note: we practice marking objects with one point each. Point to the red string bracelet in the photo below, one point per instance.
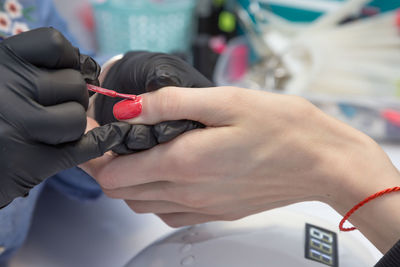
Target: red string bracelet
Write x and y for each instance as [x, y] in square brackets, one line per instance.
[359, 205]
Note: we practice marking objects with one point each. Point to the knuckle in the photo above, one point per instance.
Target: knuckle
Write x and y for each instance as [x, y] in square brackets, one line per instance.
[82, 119]
[110, 193]
[302, 105]
[137, 207]
[107, 180]
[183, 168]
[79, 121]
[299, 108]
[184, 156]
[187, 155]
[77, 78]
[232, 94]
[139, 210]
[57, 40]
[166, 101]
[165, 193]
[178, 162]
[194, 200]
[172, 222]
[140, 194]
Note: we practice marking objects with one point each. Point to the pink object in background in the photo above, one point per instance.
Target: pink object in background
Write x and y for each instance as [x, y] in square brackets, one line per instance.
[392, 116]
[398, 19]
[217, 44]
[370, 11]
[238, 63]
[86, 16]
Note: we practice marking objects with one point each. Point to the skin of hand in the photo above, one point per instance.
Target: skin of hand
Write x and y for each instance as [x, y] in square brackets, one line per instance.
[259, 151]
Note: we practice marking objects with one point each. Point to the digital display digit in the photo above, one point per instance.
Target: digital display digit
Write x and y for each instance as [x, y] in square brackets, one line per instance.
[321, 245]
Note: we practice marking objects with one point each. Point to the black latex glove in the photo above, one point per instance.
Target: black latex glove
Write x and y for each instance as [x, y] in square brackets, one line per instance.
[42, 111]
[141, 72]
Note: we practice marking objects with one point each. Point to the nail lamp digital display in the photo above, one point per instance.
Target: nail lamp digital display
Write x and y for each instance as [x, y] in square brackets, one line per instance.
[321, 245]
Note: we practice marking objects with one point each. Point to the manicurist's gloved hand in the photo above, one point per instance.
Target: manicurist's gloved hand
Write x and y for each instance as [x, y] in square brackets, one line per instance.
[42, 111]
[142, 72]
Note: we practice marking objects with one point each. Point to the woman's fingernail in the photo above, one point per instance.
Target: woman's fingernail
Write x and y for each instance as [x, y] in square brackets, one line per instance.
[128, 109]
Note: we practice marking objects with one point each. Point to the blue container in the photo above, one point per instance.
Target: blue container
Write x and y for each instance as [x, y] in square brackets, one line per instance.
[153, 25]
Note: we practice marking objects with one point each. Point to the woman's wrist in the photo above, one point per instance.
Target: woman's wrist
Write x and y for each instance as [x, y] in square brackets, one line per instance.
[359, 169]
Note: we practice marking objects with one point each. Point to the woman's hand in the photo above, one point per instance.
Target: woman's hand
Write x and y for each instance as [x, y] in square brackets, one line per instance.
[259, 151]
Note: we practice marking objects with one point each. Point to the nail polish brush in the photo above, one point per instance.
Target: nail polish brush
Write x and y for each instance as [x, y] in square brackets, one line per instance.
[109, 93]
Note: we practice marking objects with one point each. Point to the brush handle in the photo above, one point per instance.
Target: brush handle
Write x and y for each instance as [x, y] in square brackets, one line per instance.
[108, 92]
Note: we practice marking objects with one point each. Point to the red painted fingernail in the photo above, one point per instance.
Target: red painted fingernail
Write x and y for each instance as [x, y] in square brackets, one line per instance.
[128, 109]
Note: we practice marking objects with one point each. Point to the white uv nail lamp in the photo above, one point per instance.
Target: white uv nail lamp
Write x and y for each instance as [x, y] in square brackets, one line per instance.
[275, 238]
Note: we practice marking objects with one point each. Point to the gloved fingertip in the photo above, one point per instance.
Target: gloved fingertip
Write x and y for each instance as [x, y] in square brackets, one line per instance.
[89, 69]
[141, 137]
[168, 130]
[102, 139]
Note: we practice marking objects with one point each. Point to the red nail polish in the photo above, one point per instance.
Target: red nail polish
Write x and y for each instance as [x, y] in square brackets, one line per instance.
[128, 109]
